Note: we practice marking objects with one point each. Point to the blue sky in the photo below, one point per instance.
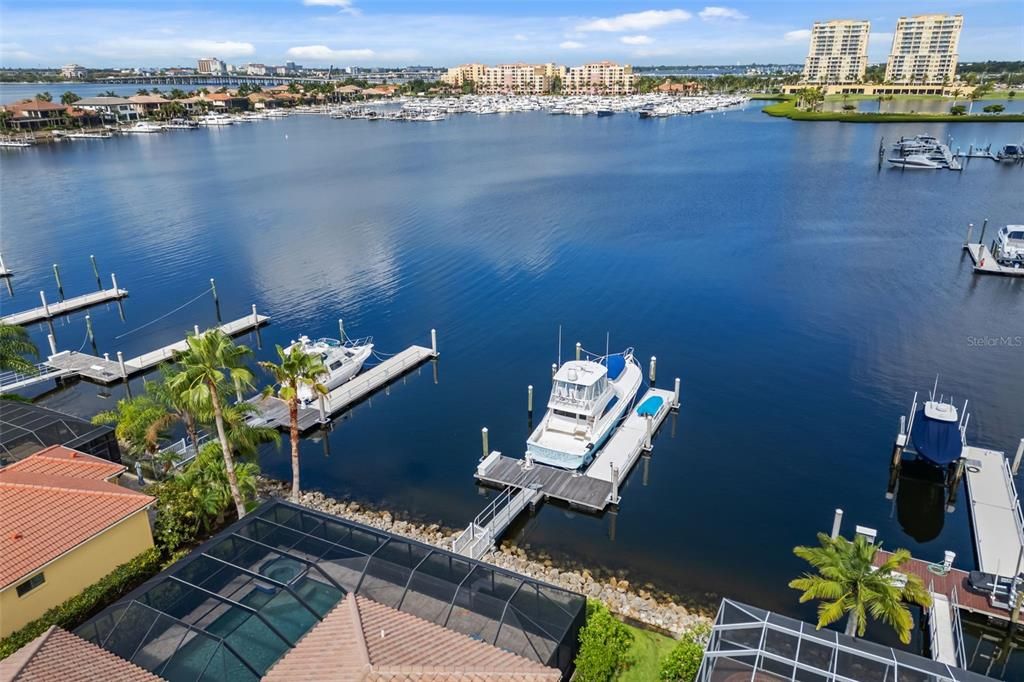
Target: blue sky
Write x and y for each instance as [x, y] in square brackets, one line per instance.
[446, 32]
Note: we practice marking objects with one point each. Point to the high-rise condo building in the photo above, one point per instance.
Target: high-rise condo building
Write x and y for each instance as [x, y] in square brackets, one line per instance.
[211, 65]
[519, 79]
[924, 49]
[599, 78]
[838, 52]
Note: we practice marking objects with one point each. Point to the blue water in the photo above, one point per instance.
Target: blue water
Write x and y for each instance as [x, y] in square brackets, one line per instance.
[801, 293]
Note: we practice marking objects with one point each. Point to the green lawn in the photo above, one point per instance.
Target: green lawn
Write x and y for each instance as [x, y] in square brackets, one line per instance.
[788, 110]
[648, 649]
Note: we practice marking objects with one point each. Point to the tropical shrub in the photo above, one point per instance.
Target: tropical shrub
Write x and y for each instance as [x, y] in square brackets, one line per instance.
[604, 646]
[958, 110]
[683, 662]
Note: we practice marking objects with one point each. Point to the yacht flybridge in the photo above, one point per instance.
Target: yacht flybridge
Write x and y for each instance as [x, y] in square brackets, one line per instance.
[343, 360]
[588, 398]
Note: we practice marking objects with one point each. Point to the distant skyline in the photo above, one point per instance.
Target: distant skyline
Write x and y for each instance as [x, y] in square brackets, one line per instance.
[122, 33]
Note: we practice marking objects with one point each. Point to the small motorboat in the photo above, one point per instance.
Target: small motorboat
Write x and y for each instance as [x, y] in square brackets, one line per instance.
[916, 161]
[588, 399]
[1010, 153]
[343, 360]
[936, 431]
[144, 127]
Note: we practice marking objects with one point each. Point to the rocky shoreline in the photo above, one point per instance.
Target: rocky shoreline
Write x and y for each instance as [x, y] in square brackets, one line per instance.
[644, 605]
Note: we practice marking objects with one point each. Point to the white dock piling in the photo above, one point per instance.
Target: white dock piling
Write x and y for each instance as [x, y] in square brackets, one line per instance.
[970, 229]
[195, 329]
[46, 308]
[3, 268]
[837, 521]
[120, 361]
[648, 433]
[255, 317]
[615, 484]
[213, 289]
[1016, 458]
[88, 329]
[981, 237]
[675, 395]
[554, 369]
[321, 403]
[652, 374]
[341, 330]
[113, 280]
[579, 347]
[529, 400]
[96, 271]
[53, 344]
[433, 341]
[483, 436]
[56, 276]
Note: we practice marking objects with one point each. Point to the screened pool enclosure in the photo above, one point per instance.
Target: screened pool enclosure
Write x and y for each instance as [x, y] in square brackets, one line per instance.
[749, 644]
[239, 602]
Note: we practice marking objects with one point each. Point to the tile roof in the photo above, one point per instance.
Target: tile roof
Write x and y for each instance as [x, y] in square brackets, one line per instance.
[61, 461]
[365, 641]
[59, 655]
[35, 105]
[46, 514]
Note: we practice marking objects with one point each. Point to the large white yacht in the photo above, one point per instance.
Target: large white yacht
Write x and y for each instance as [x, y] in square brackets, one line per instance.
[144, 127]
[588, 398]
[343, 361]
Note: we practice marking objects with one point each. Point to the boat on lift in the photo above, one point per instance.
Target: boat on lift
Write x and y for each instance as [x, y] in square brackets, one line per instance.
[937, 431]
[588, 399]
[343, 360]
[915, 161]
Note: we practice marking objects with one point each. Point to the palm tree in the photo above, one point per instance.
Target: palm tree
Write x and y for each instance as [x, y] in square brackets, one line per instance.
[15, 345]
[849, 583]
[141, 423]
[212, 357]
[296, 369]
[69, 98]
[176, 405]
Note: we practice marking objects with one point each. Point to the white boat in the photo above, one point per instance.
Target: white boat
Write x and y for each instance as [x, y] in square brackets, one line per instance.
[343, 361]
[11, 142]
[588, 398]
[144, 127]
[1011, 153]
[216, 120]
[915, 161]
[83, 135]
[181, 124]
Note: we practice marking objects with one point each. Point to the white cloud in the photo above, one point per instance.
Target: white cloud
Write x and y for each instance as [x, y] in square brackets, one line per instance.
[636, 40]
[571, 45]
[712, 13]
[154, 48]
[221, 48]
[322, 53]
[346, 6]
[797, 36]
[636, 21]
[520, 37]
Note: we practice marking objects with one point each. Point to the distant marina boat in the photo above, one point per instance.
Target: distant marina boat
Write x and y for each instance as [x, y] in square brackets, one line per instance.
[83, 135]
[1010, 153]
[144, 127]
[181, 124]
[11, 142]
[216, 120]
[916, 161]
[588, 398]
[343, 360]
[936, 432]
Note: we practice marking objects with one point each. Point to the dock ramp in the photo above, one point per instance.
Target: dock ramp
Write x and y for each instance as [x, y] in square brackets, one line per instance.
[489, 524]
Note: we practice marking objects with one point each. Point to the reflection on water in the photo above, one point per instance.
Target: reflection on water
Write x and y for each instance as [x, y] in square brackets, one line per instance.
[921, 500]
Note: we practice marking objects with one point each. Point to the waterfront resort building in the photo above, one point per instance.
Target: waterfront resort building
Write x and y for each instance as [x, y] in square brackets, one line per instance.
[73, 72]
[749, 643]
[290, 593]
[212, 66]
[925, 50]
[513, 79]
[838, 52]
[65, 524]
[599, 78]
[35, 114]
[27, 428]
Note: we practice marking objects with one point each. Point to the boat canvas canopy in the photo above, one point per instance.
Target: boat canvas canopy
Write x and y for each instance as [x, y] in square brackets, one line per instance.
[936, 440]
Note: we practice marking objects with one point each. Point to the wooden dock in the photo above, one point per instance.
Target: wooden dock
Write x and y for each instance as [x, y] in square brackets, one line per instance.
[49, 310]
[272, 411]
[995, 512]
[107, 371]
[985, 263]
[576, 489]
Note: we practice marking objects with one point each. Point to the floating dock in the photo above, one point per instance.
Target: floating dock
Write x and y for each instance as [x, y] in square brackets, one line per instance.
[103, 370]
[50, 310]
[272, 411]
[995, 512]
[528, 483]
[985, 263]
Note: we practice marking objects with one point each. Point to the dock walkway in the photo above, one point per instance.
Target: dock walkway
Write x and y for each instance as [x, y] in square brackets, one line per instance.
[985, 262]
[942, 618]
[50, 310]
[995, 511]
[274, 412]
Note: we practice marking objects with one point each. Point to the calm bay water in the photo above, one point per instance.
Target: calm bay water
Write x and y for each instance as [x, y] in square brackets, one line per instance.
[801, 294]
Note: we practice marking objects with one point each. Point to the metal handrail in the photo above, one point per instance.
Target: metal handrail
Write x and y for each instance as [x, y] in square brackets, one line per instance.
[1014, 500]
[958, 631]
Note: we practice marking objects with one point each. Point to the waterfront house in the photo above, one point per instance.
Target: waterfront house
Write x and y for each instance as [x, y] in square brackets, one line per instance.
[65, 524]
[145, 105]
[35, 114]
[349, 90]
[670, 88]
[381, 91]
[291, 593]
[262, 100]
[225, 101]
[109, 108]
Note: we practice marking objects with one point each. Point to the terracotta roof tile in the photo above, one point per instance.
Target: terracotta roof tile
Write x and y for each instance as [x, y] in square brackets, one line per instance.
[63, 461]
[362, 640]
[46, 514]
[59, 655]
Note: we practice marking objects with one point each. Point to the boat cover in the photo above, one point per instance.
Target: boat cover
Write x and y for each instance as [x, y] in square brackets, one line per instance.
[615, 363]
[650, 407]
[937, 441]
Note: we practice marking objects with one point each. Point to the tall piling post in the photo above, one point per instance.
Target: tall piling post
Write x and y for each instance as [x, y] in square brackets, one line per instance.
[255, 317]
[579, 349]
[3, 268]
[88, 329]
[113, 281]
[486, 445]
[529, 403]
[96, 272]
[1017, 458]
[554, 370]
[60, 285]
[341, 330]
[53, 344]
[981, 237]
[970, 228]
[615, 484]
[213, 290]
[46, 308]
[648, 433]
[837, 522]
[675, 395]
[120, 362]
[653, 372]
[433, 341]
[322, 405]
[195, 329]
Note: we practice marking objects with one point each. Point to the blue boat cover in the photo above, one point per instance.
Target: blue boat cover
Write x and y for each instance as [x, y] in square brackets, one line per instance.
[615, 363]
[937, 441]
[650, 406]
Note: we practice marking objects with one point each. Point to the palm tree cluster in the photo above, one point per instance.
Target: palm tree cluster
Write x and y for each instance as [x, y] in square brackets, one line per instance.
[849, 583]
[193, 393]
[16, 350]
